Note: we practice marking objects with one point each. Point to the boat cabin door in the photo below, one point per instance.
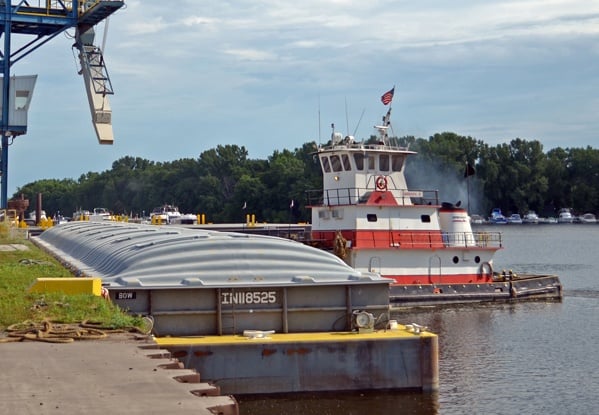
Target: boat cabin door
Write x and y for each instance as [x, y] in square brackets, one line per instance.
[374, 264]
[434, 269]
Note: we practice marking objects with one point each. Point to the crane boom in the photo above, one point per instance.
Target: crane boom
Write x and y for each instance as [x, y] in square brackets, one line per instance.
[97, 83]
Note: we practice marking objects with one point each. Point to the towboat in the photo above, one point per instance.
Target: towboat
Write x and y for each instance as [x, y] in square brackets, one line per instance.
[366, 214]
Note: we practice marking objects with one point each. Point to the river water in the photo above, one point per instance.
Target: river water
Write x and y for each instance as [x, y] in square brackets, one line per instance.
[524, 358]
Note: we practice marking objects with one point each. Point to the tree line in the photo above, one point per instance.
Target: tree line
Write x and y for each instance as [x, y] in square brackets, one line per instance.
[225, 184]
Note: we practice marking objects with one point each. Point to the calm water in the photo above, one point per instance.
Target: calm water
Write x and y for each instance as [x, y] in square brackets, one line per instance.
[527, 358]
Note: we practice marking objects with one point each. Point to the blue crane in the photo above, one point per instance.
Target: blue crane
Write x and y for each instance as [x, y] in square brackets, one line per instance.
[43, 20]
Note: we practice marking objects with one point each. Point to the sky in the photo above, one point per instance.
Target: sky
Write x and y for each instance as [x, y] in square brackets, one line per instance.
[272, 75]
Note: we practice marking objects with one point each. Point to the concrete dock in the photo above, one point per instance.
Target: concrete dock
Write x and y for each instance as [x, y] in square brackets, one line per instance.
[117, 375]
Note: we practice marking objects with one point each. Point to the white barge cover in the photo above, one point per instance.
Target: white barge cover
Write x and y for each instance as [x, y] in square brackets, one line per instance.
[137, 255]
[201, 282]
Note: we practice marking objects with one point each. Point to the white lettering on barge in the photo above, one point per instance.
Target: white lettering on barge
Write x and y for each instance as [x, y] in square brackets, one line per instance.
[125, 295]
[249, 297]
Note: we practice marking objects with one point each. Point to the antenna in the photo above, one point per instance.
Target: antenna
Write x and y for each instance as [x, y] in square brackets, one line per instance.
[359, 121]
[319, 139]
[346, 117]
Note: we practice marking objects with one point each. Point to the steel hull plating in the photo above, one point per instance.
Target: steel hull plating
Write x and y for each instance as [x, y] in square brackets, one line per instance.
[523, 287]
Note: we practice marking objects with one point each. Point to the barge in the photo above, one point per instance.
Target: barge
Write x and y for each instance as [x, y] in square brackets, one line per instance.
[252, 314]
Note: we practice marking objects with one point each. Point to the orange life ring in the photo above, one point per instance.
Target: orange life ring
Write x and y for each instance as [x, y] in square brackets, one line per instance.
[381, 183]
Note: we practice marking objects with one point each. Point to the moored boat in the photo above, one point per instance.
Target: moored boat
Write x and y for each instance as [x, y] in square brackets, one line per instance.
[565, 216]
[165, 214]
[531, 218]
[368, 216]
[477, 220]
[497, 218]
[100, 214]
[514, 219]
[587, 218]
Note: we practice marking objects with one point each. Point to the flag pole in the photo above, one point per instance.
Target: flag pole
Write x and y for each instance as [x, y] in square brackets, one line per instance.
[468, 173]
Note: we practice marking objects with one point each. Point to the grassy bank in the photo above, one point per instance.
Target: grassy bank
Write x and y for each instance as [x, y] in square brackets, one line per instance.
[19, 267]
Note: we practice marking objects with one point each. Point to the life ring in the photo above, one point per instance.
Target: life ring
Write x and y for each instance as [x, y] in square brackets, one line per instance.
[381, 183]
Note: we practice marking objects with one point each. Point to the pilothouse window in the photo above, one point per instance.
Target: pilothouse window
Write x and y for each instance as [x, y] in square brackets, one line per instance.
[359, 159]
[384, 162]
[336, 163]
[370, 162]
[397, 162]
[325, 164]
[346, 162]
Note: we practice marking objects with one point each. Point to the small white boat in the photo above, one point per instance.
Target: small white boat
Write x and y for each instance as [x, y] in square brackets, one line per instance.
[33, 215]
[497, 217]
[565, 216]
[100, 214]
[165, 214]
[185, 219]
[514, 219]
[587, 218]
[531, 218]
[477, 220]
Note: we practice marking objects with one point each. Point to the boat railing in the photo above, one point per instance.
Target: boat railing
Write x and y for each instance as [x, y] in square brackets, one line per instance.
[347, 144]
[473, 239]
[429, 240]
[356, 195]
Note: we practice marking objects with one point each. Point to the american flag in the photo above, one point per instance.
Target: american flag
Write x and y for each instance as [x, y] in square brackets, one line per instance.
[388, 96]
